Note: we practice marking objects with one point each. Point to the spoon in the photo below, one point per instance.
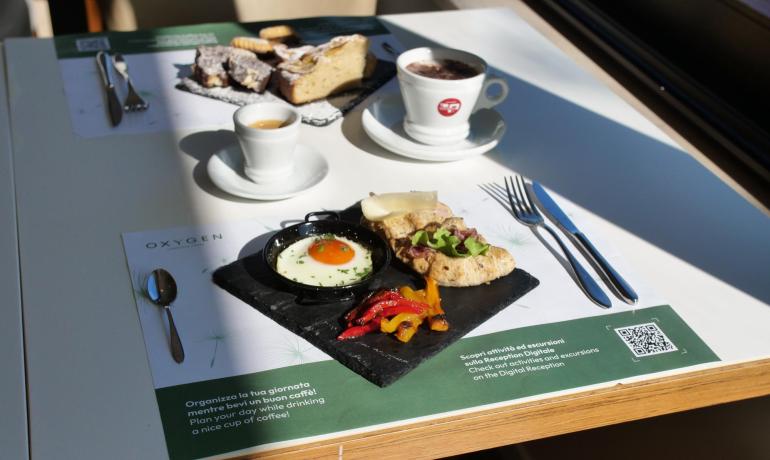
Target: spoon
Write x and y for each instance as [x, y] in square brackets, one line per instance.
[161, 288]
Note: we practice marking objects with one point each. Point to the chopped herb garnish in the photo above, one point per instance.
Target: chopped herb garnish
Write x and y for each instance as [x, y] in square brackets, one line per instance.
[443, 240]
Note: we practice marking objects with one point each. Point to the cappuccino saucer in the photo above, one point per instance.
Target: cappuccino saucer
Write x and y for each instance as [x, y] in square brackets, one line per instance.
[383, 122]
[225, 168]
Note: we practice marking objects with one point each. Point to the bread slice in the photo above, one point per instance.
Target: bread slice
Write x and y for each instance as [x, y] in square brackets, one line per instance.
[446, 270]
[328, 69]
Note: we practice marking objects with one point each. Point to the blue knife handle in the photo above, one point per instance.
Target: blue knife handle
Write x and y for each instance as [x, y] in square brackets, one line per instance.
[586, 283]
[622, 288]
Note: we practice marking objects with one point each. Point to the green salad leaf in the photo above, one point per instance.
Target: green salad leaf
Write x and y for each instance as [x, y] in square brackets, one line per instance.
[443, 240]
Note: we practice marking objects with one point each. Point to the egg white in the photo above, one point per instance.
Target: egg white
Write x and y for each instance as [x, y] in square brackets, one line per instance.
[296, 264]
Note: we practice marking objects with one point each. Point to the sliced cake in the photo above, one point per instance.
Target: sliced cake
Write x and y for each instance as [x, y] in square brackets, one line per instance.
[209, 68]
[245, 68]
[327, 69]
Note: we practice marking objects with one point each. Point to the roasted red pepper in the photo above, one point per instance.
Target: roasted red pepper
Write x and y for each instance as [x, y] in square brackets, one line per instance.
[392, 307]
[355, 332]
[374, 310]
[376, 296]
[405, 306]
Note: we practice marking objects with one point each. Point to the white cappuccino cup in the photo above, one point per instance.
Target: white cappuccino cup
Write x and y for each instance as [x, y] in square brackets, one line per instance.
[268, 133]
[438, 109]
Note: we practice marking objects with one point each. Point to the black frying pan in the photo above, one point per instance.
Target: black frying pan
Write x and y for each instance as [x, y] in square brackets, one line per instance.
[358, 233]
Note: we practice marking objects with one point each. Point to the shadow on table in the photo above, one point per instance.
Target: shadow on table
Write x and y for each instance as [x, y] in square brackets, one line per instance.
[655, 191]
[353, 131]
[201, 146]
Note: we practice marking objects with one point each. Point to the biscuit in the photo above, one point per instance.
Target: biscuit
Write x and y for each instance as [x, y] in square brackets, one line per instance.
[257, 45]
[279, 33]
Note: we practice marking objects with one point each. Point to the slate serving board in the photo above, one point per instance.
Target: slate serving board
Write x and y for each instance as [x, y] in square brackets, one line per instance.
[379, 358]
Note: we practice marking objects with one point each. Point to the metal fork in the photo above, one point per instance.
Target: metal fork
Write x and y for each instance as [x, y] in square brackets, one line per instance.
[525, 212]
[133, 102]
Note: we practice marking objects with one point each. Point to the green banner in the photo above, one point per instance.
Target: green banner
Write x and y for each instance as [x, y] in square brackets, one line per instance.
[224, 415]
[310, 30]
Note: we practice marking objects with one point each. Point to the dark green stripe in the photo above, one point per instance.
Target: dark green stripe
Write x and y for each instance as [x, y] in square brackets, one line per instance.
[439, 385]
[312, 30]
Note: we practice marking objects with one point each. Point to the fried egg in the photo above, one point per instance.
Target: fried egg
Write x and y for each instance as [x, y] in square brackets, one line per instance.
[325, 260]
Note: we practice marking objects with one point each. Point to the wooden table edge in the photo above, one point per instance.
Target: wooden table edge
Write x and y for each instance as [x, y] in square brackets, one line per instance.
[543, 418]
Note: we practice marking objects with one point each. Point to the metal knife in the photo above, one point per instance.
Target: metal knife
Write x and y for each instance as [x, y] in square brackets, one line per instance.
[611, 277]
[113, 104]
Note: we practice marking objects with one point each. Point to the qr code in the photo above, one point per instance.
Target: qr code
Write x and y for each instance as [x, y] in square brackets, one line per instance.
[645, 339]
[92, 44]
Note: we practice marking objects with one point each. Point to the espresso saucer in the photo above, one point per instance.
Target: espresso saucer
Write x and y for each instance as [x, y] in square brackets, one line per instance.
[225, 168]
[383, 122]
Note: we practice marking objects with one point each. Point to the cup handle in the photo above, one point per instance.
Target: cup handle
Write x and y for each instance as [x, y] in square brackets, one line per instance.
[486, 102]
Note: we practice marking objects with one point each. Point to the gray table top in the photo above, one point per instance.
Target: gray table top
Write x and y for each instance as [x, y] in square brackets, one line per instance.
[90, 390]
[13, 395]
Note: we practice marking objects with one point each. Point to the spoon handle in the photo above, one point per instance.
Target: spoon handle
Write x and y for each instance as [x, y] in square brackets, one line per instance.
[176, 343]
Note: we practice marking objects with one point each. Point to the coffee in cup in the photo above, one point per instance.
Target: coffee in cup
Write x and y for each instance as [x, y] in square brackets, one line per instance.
[441, 89]
[268, 124]
[268, 133]
[445, 69]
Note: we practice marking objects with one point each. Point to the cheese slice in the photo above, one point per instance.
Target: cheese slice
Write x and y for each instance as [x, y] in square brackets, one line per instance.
[378, 207]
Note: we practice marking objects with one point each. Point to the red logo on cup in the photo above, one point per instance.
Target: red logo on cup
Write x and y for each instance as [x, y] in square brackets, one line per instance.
[449, 107]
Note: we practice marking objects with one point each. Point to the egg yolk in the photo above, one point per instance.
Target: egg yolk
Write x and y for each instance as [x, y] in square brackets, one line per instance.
[332, 252]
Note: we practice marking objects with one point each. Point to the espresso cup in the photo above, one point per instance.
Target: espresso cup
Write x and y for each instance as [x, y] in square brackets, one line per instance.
[268, 154]
[437, 110]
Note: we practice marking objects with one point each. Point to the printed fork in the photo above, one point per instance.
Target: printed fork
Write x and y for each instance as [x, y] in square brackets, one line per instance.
[525, 212]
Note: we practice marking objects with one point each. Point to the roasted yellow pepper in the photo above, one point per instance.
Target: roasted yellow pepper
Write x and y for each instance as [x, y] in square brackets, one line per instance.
[389, 326]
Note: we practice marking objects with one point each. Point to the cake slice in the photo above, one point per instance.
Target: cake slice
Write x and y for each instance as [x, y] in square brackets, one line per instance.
[327, 69]
[245, 68]
[286, 53]
[209, 68]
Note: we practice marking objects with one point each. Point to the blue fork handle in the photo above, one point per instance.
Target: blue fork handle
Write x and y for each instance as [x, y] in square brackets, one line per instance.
[587, 284]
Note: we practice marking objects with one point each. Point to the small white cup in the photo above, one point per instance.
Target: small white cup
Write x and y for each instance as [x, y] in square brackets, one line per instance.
[437, 111]
[268, 153]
